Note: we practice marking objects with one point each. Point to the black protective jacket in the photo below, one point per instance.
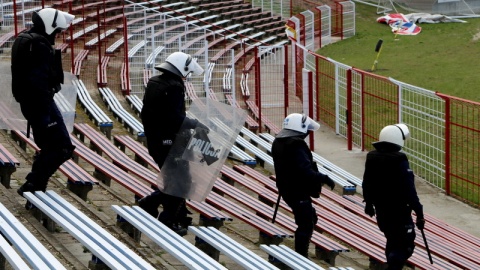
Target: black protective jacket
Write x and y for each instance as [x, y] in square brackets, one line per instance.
[388, 184]
[36, 71]
[296, 173]
[163, 114]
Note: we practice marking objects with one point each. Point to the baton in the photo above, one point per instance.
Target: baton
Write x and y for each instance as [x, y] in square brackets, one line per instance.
[28, 129]
[426, 247]
[276, 209]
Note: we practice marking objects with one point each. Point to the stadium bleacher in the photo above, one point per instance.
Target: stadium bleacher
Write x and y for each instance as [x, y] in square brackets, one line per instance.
[132, 176]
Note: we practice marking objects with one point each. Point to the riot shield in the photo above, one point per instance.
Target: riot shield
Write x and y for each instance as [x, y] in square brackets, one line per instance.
[11, 117]
[66, 100]
[198, 153]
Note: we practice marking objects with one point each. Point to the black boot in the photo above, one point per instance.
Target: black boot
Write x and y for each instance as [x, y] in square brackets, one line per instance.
[34, 183]
[26, 187]
[185, 221]
[177, 228]
[166, 218]
[302, 241]
[151, 203]
[148, 207]
[182, 216]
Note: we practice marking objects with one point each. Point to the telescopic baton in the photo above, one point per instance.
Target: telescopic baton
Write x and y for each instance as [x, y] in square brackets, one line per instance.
[276, 209]
[426, 247]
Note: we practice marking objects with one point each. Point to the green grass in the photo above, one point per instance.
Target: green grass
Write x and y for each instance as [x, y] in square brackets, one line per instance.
[443, 57]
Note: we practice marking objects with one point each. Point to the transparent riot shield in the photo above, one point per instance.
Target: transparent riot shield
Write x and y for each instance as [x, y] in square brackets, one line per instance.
[198, 153]
[11, 117]
[66, 100]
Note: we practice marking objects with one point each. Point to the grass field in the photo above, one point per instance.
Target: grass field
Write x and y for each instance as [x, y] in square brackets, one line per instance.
[443, 57]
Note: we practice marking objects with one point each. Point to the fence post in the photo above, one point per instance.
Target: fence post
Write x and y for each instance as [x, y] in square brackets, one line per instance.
[72, 53]
[125, 48]
[310, 107]
[362, 107]
[99, 45]
[447, 146]
[258, 87]
[286, 82]
[349, 110]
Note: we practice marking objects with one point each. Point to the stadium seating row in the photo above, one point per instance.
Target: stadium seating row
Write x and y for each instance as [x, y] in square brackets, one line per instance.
[8, 165]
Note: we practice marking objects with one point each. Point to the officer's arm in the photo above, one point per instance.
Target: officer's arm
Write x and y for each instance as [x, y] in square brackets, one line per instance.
[303, 164]
[411, 192]
[367, 181]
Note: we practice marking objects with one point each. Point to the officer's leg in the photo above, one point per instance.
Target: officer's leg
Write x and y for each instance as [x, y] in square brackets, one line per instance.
[400, 246]
[185, 188]
[45, 163]
[305, 218]
[56, 148]
[172, 206]
[151, 202]
[183, 219]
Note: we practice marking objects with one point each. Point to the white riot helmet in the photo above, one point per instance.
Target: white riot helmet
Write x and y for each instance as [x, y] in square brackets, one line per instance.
[53, 19]
[396, 134]
[180, 64]
[297, 124]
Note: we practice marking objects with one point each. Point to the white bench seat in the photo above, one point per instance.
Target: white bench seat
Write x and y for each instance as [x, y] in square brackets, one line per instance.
[167, 239]
[293, 260]
[32, 252]
[337, 170]
[226, 245]
[114, 47]
[100, 242]
[255, 139]
[129, 121]
[331, 171]
[261, 155]
[93, 42]
[83, 32]
[136, 48]
[290, 257]
[91, 108]
[149, 63]
[135, 102]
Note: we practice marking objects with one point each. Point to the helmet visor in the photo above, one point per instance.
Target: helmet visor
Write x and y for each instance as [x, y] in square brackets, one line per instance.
[312, 125]
[68, 18]
[195, 68]
[60, 24]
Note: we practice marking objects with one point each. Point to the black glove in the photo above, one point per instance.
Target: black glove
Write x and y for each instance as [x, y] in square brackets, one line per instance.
[57, 88]
[420, 223]
[329, 182]
[202, 126]
[369, 210]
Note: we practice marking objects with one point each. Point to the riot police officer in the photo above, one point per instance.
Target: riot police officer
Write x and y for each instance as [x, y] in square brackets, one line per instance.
[164, 119]
[37, 75]
[389, 192]
[298, 178]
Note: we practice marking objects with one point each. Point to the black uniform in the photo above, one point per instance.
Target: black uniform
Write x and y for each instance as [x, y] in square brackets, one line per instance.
[298, 180]
[34, 84]
[388, 186]
[163, 114]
